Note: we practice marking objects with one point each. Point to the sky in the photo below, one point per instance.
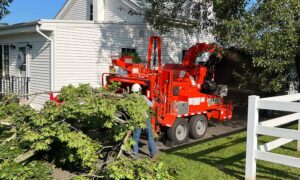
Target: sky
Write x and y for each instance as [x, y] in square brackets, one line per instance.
[251, 2]
[30, 10]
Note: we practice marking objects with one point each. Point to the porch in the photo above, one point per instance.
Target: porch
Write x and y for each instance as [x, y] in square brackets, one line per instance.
[14, 85]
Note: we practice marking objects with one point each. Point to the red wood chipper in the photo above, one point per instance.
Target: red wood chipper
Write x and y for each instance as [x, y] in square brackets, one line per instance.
[185, 95]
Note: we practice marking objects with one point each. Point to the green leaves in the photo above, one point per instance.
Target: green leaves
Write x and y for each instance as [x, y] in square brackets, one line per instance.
[14, 171]
[62, 134]
[192, 16]
[84, 147]
[4, 4]
[145, 169]
[269, 32]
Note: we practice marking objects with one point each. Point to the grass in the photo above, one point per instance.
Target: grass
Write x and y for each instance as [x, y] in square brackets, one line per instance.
[224, 158]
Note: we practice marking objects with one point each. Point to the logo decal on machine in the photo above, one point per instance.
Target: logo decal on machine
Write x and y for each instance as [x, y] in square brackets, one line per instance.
[213, 101]
[194, 101]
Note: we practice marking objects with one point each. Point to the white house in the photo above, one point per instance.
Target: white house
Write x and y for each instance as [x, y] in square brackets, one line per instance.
[76, 47]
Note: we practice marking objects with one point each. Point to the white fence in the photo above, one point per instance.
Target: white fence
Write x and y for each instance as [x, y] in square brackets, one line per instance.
[269, 128]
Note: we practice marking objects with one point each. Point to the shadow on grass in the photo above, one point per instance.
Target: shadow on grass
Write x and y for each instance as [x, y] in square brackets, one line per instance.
[233, 165]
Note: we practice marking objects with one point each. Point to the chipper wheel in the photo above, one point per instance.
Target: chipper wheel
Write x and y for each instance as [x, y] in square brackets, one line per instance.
[179, 132]
[198, 126]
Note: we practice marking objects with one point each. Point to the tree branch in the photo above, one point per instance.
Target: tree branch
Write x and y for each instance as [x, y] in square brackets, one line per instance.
[119, 120]
[123, 144]
[105, 147]
[92, 176]
[9, 139]
[33, 94]
[5, 122]
[23, 157]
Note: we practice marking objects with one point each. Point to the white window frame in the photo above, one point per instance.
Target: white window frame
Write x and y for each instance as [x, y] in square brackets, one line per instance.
[3, 62]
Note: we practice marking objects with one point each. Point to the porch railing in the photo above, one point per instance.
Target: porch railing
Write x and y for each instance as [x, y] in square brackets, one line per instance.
[14, 85]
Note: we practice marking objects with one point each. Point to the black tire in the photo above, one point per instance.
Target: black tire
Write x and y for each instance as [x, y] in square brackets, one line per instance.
[179, 132]
[198, 126]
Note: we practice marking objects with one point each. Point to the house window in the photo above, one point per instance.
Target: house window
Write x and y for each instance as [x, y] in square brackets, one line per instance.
[91, 12]
[183, 53]
[128, 50]
[133, 53]
[4, 60]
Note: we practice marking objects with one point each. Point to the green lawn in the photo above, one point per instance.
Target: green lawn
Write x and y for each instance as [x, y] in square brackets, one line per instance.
[225, 159]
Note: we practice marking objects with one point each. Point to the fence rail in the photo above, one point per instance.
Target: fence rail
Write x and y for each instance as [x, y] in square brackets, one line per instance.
[270, 128]
[14, 85]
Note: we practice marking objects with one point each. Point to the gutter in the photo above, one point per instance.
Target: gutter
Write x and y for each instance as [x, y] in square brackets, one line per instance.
[51, 57]
[19, 25]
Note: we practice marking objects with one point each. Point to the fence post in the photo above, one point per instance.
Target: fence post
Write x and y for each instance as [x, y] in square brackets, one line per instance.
[251, 138]
[298, 143]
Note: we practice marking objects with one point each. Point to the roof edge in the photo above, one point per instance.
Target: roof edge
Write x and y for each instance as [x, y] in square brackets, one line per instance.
[66, 6]
[136, 7]
[21, 25]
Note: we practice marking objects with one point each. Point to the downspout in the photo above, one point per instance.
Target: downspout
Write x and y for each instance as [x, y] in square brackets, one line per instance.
[51, 57]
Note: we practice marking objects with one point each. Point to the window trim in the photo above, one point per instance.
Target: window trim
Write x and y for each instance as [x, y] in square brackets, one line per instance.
[5, 66]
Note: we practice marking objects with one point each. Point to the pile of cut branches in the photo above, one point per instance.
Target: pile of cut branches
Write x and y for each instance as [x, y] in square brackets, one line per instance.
[87, 134]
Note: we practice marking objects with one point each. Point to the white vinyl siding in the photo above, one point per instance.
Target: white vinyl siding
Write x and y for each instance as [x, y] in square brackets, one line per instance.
[77, 52]
[83, 54]
[117, 11]
[78, 10]
[38, 63]
[114, 11]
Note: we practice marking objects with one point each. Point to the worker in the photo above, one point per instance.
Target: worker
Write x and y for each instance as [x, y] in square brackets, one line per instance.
[136, 88]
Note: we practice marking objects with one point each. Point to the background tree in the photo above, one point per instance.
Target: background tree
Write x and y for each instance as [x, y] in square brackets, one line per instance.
[4, 4]
[191, 15]
[266, 34]
[269, 32]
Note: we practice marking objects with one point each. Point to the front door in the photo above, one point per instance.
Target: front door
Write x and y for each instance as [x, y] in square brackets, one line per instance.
[22, 62]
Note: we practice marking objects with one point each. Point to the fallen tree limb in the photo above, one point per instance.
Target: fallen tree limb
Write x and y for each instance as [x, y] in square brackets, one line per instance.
[6, 122]
[10, 138]
[92, 176]
[32, 94]
[123, 144]
[23, 157]
[119, 120]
